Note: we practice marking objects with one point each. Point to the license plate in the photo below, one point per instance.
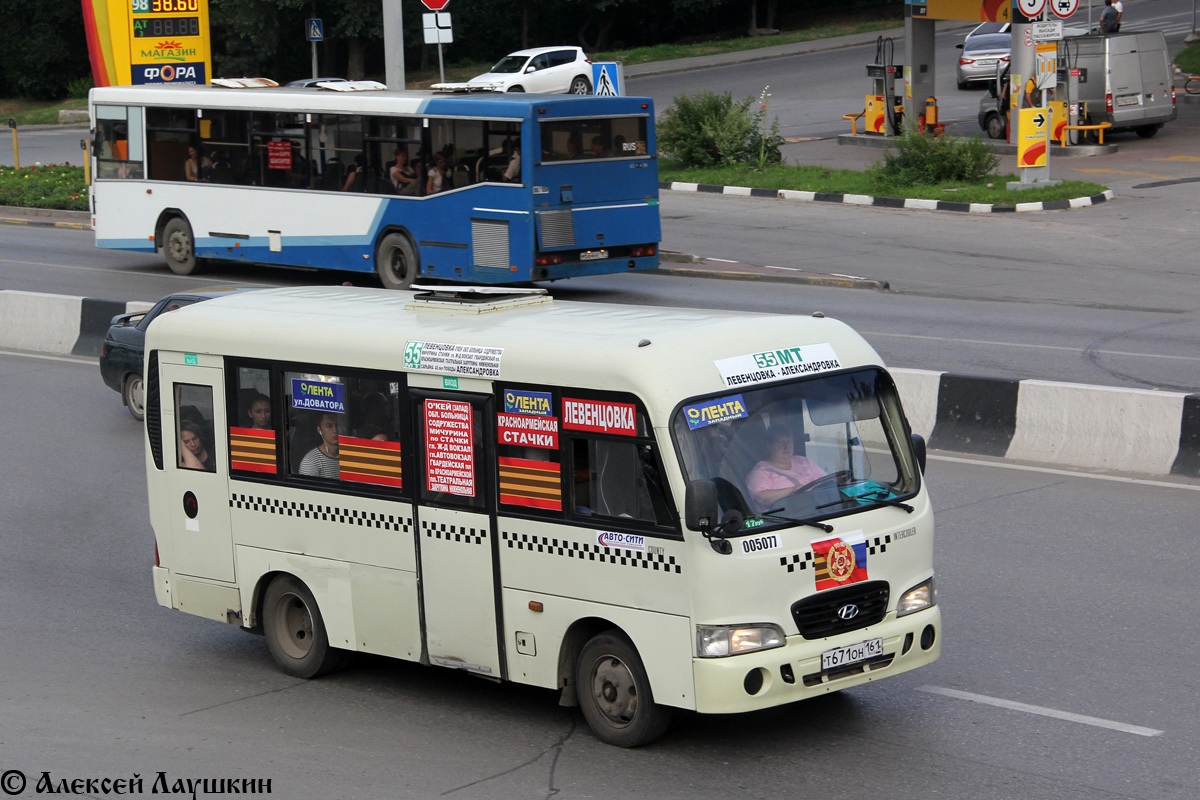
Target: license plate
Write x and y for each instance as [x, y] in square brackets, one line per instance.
[1129, 101]
[851, 654]
[593, 255]
[987, 62]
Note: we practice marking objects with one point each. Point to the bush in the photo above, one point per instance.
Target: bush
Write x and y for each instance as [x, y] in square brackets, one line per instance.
[917, 158]
[709, 130]
[53, 186]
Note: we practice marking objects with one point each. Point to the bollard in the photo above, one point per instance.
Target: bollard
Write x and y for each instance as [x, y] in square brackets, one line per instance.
[12, 123]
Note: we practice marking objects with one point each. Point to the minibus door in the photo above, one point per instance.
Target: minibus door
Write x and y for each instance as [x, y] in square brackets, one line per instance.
[193, 418]
[456, 527]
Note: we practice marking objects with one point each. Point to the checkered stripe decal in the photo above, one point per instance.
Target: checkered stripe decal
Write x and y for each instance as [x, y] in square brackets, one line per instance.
[440, 530]
[591, 552]
[345, 516]
[797, 562]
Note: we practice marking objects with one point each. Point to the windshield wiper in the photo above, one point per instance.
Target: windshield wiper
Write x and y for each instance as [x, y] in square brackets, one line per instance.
[774, 515]
[872, 497]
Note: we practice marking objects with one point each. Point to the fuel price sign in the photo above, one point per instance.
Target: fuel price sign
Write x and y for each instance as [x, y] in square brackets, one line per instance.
[169, 41]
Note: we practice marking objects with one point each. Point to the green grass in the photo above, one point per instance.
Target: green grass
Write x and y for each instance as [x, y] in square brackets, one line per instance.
[668, 52]
[36, 112]
[1189, 60]
[849, 181]
[51, 186]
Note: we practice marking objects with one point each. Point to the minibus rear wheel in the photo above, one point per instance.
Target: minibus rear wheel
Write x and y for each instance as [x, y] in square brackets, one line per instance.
[295, 630]
[396, 261]
[614, 693]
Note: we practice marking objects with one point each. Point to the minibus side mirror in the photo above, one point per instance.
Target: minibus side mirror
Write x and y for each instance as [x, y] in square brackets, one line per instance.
[918, 446]
[700, 505]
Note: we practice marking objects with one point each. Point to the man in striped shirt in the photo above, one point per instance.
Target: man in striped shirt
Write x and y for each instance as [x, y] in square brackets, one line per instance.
[322, 460]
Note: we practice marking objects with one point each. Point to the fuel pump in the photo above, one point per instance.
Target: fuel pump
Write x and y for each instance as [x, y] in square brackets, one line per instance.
[1075, 75]
[881, 113]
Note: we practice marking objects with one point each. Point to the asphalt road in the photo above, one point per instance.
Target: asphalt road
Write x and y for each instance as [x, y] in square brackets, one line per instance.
[960, 303]
[1065, 594]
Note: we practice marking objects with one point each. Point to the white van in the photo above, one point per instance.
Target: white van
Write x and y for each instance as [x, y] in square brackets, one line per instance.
[1124, 78]
[640, 508]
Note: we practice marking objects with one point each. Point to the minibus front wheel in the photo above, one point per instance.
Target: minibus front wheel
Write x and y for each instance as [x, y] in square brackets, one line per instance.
[295, 630]
[614, 693]
[396, 261]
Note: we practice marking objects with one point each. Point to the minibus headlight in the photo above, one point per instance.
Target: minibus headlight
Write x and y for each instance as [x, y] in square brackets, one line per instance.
[717, 641]
[918, 598]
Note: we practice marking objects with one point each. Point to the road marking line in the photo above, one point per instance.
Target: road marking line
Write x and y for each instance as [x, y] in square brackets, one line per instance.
[1041, 711]
[723, 260]
[1122, 172]
[1068, 472]
[1176, 158]
[44, 357]
[1030, 346]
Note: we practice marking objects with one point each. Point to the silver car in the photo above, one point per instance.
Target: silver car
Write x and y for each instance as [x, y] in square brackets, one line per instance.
[981, 54]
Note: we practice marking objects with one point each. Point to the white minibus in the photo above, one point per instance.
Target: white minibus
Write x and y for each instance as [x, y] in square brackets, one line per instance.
[643, 509]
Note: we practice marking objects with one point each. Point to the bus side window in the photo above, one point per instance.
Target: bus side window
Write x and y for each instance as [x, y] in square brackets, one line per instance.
[619, 479]
[369, 449]
[251, 432]
[195, 446]
[316, 421]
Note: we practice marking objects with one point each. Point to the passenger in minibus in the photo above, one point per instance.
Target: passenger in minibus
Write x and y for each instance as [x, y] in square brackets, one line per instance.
[782, 473]
[258, 410]
[194, 452]
[322, 460]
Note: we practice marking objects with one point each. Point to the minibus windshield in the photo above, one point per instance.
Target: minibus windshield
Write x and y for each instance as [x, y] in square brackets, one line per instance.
[806, 449]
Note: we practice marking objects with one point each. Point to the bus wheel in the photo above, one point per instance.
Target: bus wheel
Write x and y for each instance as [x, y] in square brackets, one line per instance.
[134, 394]
[395, 261]
[295, 630]
[614, 693]
[179, 248]
[580, 86]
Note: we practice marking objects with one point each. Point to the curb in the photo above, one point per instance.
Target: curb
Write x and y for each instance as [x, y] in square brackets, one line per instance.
[46, 217]
[1066, 424]
[888, 202]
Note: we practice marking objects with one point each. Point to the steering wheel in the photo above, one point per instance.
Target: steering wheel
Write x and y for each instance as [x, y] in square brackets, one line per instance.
[833, 478]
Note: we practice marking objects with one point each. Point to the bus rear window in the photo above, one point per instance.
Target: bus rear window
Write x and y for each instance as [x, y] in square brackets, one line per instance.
[608, 137]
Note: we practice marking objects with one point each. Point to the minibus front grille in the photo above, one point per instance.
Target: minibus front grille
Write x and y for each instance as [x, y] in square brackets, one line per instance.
[556, 228]
[489, 243]
[818, 617]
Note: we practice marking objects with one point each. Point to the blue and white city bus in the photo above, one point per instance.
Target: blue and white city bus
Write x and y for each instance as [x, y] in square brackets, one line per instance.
[534, 187]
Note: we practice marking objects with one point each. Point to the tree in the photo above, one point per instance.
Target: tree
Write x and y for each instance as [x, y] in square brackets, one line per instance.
[44, 47]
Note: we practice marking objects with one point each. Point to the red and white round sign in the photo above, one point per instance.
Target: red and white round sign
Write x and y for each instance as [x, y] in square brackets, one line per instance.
[1031, 8]
[438, 5]
[1064, 8]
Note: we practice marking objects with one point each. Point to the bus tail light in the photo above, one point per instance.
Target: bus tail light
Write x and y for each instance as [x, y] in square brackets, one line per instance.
[643, 250]
[1108, 102]
[1172, 95]
[545, 261]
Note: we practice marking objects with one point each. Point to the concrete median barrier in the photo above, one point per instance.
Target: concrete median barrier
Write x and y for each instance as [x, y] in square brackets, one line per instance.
[56, 323]
[1064, 424]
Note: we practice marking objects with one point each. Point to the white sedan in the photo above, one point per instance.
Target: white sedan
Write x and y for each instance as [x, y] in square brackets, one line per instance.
[547, 70]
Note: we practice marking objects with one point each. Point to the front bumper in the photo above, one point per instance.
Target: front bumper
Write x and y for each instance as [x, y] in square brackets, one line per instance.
[793, 672]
